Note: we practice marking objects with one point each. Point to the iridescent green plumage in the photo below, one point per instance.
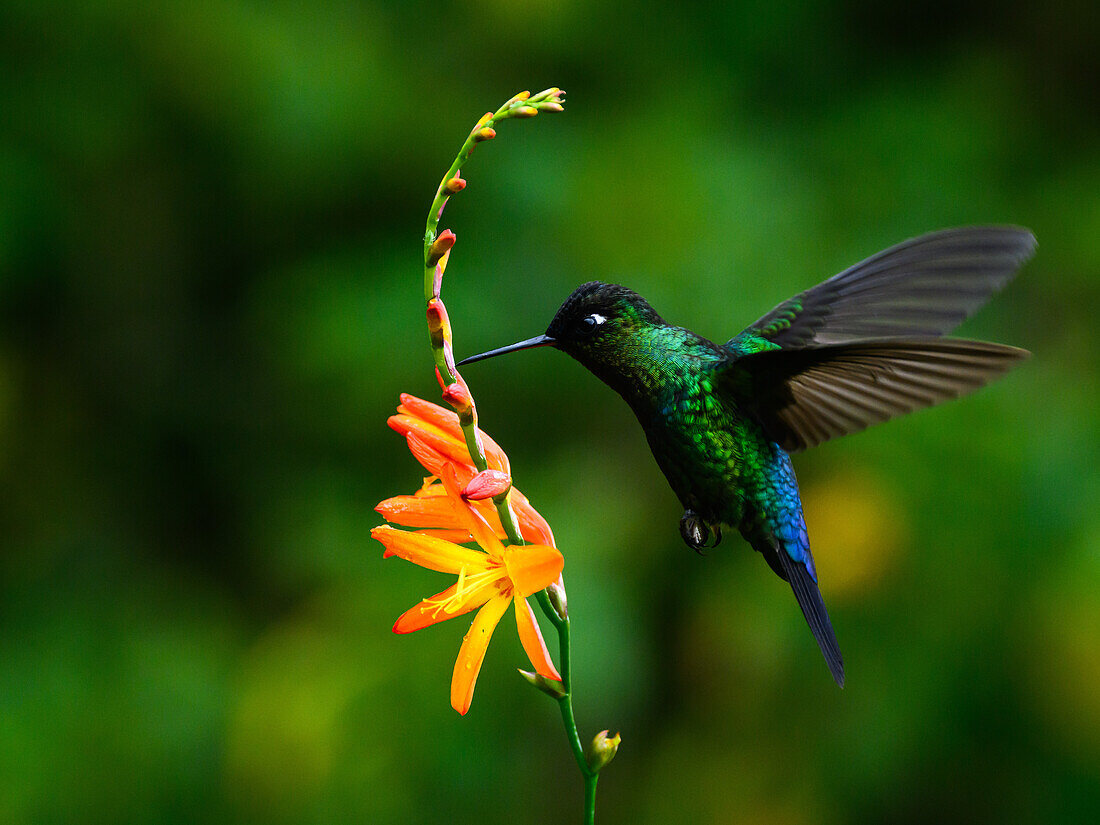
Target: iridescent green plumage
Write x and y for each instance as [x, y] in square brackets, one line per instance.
[858, 349]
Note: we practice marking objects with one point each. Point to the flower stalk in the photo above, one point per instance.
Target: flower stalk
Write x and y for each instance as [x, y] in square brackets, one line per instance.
[469, 496]
[437, 252]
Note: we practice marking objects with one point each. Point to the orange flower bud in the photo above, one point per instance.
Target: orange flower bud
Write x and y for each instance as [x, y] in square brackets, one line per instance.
[485, 118]
[526, 111]
[485, 133]
[487, 484]
[441, 246]
[518, 98]
[439, 325]
[455, 184]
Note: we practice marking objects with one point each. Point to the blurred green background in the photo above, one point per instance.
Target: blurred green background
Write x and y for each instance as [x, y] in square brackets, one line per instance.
[210, 298]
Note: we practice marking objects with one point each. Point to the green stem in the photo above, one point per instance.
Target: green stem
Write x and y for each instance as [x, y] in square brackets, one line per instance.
[590, 798]
[565, 705]
[522, 105]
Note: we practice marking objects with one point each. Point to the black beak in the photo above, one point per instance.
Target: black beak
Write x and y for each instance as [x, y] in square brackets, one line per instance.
[530, 343]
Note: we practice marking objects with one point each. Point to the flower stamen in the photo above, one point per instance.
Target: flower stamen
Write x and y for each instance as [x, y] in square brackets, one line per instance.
[466, 585]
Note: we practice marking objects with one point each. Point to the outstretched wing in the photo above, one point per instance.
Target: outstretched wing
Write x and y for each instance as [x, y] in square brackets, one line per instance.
[803, 397]
[924, 287]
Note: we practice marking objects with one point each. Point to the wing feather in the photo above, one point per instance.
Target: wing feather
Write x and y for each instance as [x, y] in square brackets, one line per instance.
[804, 397]
[923, 287]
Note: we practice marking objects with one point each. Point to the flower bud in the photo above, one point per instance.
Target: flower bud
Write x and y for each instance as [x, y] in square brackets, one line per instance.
[520, 97]
[526, 111]
[551, 106]
[485, 118]
[558, 600]
[440, 246]
[437, 276]
[551, 687]
[439, 326]
[455, 184]
[551, 93]
[486, 484]
[484, 133]
[458, 396]
[602, 750]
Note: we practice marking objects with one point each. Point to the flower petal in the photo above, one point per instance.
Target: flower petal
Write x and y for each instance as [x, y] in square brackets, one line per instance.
[470, 518]
[472, 652]
[430, 552]
[453, 536]
[532, 567]
[432, 413]
[419, 511]
[530, 636]
[432, 459]
[446, 422]
[495, 457]
[437, 512]
[431, 611]
[453, 449]
[532, 526]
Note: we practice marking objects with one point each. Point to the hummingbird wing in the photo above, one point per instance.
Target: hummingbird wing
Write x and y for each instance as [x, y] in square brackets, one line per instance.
[804, 397]
[923, 287]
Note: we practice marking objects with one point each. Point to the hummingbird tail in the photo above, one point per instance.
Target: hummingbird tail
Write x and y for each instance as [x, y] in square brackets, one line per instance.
[813, 608]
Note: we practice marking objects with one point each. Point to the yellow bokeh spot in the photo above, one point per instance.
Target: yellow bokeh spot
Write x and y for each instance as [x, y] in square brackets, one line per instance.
[283, 728]
[857, 525]
[1062, 657]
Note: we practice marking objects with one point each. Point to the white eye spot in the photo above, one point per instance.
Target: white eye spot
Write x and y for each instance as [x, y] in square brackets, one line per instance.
[599, 319]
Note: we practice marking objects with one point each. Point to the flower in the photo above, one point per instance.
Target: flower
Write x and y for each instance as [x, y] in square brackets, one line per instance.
[489, 581]
[436, 439]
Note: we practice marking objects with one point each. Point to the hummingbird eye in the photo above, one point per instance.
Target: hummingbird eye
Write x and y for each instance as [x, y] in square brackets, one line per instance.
[591, 323]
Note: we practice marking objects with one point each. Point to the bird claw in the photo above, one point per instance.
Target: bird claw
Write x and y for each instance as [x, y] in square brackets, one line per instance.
[696, 532]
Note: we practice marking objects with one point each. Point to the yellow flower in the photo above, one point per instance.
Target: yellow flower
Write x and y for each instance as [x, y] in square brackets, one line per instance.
[489, 580]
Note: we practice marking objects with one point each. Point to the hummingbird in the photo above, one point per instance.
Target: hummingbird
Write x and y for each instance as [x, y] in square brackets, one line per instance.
[860, 348]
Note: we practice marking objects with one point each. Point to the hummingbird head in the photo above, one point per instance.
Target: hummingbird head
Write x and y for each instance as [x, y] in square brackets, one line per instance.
[594, 325]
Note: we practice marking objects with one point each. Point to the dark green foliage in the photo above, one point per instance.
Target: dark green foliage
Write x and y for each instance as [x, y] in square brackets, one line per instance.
[210, 297]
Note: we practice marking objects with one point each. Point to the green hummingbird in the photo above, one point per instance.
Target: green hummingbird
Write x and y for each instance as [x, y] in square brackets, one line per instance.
[860, 348]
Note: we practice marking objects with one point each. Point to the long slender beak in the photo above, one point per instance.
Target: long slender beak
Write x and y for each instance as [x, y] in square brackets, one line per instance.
[530, 343]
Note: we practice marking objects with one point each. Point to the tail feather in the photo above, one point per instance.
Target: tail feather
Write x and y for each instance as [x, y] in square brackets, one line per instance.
[813, 608]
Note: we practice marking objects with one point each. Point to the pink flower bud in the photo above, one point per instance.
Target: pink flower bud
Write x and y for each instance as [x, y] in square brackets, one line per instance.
[552, 106]
[437, 276]
[487, 484]
[526, 111]
[441, 246]
[458, 396]
[455, 184]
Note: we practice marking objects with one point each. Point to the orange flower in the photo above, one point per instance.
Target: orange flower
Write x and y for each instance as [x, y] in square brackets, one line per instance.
[435, 439]
[488, 581]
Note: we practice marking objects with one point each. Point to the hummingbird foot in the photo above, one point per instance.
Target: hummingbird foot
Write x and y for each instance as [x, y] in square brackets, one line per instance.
[696, 532]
